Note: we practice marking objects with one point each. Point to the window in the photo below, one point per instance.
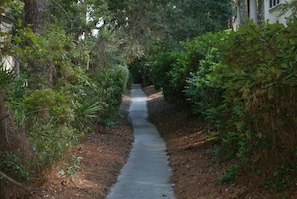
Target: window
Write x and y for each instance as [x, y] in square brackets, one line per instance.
[273, 3]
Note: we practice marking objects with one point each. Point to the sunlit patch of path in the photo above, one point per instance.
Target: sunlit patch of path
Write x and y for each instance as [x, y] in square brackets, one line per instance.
[146, 173]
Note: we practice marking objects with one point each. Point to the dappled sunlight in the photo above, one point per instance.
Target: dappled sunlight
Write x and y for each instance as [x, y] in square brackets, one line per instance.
[139, 99]
[191, 140]
[154, 97]
[126, 97]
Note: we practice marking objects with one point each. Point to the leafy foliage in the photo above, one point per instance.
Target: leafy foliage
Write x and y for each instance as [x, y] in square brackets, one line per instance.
[65, 84]
[179, 73]
[6, 76]
[244, 84]
[71, 166]
[194, 18]
[43, 105]
[49, 127]
[258, 93]
[136, 71]
[15, 165]
[203, 89]
[161, 74]
[113, 82]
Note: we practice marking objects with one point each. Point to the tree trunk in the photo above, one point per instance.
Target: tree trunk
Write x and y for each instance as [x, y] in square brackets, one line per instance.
[36, 14]
[243, 10]
[260, 10]
[12, 181]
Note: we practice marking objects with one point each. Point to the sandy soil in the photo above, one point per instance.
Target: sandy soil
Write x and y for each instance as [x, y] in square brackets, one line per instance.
[195, 170]
[103, 155]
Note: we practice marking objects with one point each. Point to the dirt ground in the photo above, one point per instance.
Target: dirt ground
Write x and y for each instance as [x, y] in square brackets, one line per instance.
[103, 155]
[195, 171]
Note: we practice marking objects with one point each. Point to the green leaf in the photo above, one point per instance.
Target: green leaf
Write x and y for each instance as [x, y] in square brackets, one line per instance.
[276, 71]
[17, 39]
[292, 41]
[275, 173]
[285, 65]
[259, 135]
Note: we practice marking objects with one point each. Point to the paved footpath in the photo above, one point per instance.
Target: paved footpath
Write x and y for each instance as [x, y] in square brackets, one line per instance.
[146, 173]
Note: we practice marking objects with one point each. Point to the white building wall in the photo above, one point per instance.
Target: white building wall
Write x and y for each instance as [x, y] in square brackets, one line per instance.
[253, 10]
[272, 14]
[9, 62]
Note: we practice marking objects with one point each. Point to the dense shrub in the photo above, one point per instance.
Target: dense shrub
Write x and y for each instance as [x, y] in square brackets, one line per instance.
[161, 68]
[246, 86]
[203, 90]
[111, 84]
[259, 110]
[244, 83]
[15, 165]
[62, 87]
[45, 104]
[178, 74]
[172, 70]
[136, 71]
[49, 116]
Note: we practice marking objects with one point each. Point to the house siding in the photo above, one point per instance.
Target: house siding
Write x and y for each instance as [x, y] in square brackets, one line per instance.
[272, 13]
[9, 62]
[259, 10]
[248, 9]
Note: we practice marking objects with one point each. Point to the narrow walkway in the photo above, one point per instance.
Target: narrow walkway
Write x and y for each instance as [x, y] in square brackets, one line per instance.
[146, 173]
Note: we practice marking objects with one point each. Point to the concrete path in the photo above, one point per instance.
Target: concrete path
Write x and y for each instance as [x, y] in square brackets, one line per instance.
[146, 173]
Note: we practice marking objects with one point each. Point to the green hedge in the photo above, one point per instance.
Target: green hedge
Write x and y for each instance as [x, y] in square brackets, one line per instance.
[244, 83]
[258, 114]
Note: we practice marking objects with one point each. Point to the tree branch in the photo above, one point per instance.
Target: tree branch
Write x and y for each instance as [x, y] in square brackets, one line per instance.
[12, 181]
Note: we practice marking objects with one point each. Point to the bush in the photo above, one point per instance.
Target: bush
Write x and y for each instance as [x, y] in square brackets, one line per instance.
[177, 73]
[259, 98]
[86, 111]
[161, 69]
[111, 83]
[136, 71]
[13, 164]
[252, 81]
[245, 84]
[50, 141]
[203, 89]
[49, 115]
[47, 104]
